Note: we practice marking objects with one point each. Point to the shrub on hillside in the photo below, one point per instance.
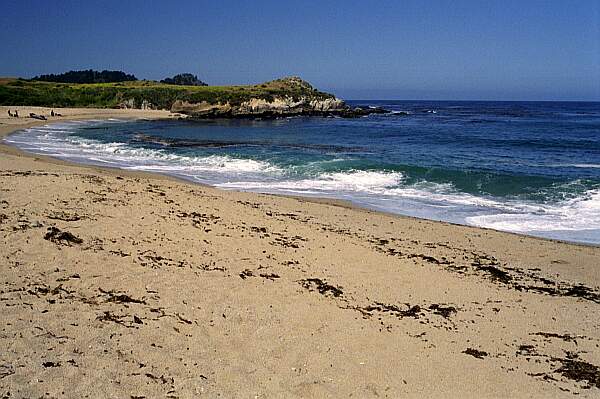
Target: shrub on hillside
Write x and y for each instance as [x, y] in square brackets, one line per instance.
[184, 79]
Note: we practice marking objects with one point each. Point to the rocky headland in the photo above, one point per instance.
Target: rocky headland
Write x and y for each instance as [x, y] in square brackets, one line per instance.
[285, 97]
[292, 97]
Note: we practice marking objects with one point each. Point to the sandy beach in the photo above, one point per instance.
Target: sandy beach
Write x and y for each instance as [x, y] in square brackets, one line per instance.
[132, 285]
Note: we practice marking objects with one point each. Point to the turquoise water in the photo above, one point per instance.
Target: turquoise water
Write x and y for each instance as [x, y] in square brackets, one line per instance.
[527, 167]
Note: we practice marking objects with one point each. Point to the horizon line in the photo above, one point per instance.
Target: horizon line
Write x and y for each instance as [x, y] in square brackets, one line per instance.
[474, 100]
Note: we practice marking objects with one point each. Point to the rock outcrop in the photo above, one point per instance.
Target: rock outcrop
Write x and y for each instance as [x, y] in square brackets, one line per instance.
[260, 107]
[132, 104]
[286, 97]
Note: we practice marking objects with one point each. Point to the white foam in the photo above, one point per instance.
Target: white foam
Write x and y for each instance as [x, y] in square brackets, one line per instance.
[581, 213]
[447, 194]
[54, 140]
[373, 182]
[213, 163]
[579, 165]
[385, 191]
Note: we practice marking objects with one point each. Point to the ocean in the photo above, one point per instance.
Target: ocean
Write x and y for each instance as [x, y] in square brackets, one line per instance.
[525, 167]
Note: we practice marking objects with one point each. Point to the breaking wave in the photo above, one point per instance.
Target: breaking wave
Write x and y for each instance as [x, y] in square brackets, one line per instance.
[55, 141]
[371, 182]
[577, 214]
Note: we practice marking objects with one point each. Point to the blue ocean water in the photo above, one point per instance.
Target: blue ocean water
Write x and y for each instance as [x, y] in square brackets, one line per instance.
[526, 167]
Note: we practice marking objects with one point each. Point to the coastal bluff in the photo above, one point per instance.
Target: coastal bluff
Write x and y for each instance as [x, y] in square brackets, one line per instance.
[290, 96]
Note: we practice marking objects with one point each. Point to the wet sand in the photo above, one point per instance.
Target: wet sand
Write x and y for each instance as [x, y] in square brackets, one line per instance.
[121, 284]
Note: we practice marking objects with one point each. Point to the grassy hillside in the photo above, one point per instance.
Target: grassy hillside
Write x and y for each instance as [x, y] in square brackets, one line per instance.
[110, 95]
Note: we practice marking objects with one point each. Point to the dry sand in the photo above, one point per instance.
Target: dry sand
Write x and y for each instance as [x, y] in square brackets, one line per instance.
[124, 285]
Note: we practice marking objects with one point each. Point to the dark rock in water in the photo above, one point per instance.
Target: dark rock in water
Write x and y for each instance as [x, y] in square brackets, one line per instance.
[345, 112]
[362, 111]
[195, 143]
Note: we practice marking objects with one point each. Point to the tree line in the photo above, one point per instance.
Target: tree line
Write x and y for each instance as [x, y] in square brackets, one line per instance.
[87, 76]
[91, 76]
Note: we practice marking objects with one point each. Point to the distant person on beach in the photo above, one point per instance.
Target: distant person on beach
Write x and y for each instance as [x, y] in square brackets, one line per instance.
[52, 113]
[9, 113]
[16, 114]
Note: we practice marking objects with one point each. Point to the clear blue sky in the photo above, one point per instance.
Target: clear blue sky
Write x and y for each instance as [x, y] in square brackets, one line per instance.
[484, 49]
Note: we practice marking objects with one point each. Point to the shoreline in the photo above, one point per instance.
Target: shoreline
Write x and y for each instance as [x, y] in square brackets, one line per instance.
[133, 114]
[80, 114]
[135, 284]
